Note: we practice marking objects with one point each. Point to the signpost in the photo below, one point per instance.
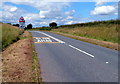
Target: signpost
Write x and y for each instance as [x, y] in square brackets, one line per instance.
[21, 22]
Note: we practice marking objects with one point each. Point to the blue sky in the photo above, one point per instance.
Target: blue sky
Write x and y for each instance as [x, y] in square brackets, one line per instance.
[42, 13]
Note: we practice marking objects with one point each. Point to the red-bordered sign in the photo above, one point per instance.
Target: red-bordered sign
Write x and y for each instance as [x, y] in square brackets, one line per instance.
[21, 19]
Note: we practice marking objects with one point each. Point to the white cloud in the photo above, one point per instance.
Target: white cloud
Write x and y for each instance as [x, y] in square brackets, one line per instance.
[9, 8]
[43, 14]
[116, 13]
[44, 23]
[59, 0]
[70, 17]
[100, 3]
[31, 16]
[13, 9]
[11, 13]
[74, 21]
[103, 10]
[48, 12]
[70, 13]
[70, 22]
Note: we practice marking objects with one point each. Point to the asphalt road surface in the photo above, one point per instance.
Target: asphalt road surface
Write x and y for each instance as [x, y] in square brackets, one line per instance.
[63, 59]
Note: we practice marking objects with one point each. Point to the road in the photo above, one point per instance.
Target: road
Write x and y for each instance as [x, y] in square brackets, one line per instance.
[63, 59]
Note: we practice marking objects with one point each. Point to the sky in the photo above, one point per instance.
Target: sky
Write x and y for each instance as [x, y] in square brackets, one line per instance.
[41, 12]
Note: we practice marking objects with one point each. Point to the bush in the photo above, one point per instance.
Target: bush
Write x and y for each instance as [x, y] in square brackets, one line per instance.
[17, 25]
[45, 28]
[29, 26]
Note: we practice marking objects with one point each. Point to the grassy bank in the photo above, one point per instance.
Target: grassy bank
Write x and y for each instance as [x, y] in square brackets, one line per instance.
[20, 61]
[10, 34]
[100, 32]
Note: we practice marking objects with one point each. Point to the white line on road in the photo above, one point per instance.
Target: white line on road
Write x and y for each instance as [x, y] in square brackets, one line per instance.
[81, 51]
[43, 39]
[50, 36]
[67, 44]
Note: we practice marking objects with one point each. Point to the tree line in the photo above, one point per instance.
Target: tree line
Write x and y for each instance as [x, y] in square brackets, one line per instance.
[29, 26]
[54, 24]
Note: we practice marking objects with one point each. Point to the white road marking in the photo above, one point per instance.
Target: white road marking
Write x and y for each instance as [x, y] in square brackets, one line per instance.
[43, 39]
[82, 51]
[106, 62]
[47, 40]
[50, 36]
[67, 44]
[38, 39]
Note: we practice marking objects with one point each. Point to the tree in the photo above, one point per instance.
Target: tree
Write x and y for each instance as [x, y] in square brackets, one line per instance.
[9, 23]
[29, 26]
[17, 25]
[53, 24]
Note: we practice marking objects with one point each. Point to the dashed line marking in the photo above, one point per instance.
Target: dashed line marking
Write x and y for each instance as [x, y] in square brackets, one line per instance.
[81, 51]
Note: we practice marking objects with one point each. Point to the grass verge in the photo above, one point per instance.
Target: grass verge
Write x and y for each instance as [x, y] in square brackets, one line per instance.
[20, 61]
[106, 44]
[36, 67]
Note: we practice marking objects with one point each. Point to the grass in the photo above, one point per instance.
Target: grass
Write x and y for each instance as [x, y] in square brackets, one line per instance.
[42, 28]
[36, 67]
[100, 32]
[10, 34]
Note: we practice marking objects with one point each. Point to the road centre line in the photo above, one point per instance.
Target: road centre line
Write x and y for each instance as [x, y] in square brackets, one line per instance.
[67, 44]
[82, 51]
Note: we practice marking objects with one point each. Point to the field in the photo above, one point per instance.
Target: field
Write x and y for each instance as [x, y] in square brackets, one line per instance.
[10, 34]
[100, 32]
